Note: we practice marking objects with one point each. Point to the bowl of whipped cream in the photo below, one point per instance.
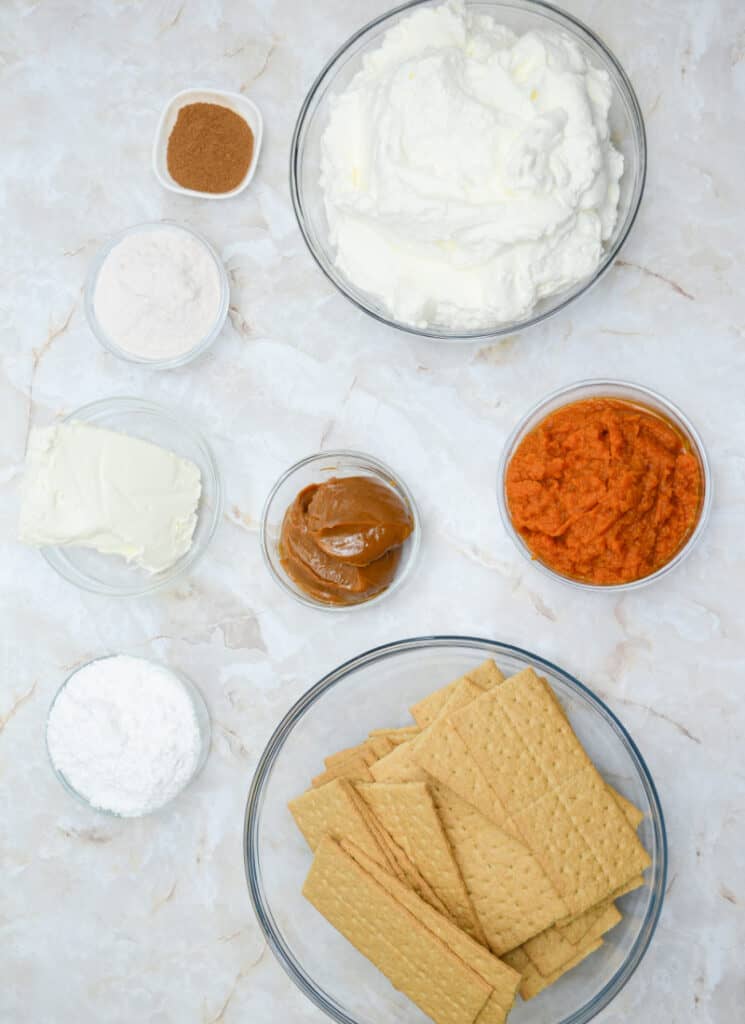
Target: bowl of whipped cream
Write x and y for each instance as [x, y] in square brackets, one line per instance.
[463, 170]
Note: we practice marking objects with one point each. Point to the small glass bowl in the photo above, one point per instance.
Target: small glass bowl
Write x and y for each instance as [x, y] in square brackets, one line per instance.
[129, 357]
[110, 574]
[314, 469]
[374, 690]
[203, 723]
[626, 127]
[639, 395]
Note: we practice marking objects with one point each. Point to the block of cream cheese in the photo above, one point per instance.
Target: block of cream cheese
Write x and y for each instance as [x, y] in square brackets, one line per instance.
[100, 489]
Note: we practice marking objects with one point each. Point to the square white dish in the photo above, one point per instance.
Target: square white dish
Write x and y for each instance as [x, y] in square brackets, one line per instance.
[241, 105]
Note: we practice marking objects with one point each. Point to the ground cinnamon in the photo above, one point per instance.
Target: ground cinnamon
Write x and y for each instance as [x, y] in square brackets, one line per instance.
[210, 148]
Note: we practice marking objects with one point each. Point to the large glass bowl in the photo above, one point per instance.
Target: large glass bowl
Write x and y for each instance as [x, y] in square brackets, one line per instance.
[375, 690]
[627, 392]
[627, 132]
[110, 574]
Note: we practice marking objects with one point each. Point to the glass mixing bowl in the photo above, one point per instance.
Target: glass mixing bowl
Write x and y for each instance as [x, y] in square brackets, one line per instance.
[625, 391]
[110, 574]
[374, 690]
[627, 133]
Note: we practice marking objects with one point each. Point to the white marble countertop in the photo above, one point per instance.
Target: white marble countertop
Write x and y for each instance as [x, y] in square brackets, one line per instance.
[150, 920]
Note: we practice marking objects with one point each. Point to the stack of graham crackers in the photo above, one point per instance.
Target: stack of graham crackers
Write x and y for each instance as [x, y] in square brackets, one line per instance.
[475, 854]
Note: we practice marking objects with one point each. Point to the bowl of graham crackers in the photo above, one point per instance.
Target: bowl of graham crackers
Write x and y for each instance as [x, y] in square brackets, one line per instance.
[455, 829]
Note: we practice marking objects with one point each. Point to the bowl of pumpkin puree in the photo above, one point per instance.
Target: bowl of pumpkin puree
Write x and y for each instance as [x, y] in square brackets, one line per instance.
[605, 484]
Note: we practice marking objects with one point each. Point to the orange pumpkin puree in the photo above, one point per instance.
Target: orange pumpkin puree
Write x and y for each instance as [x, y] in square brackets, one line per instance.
[604, 491]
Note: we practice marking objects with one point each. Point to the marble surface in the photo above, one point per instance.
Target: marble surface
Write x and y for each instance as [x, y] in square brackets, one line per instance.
[150, 920]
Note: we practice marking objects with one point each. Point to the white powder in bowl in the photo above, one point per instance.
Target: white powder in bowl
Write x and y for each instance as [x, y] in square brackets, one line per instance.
[124, 734]
[157, 295]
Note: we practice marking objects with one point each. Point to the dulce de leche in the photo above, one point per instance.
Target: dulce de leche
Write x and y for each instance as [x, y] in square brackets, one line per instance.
[341, 539]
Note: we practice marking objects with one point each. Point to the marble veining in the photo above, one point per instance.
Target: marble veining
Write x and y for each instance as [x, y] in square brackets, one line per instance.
[150, 920]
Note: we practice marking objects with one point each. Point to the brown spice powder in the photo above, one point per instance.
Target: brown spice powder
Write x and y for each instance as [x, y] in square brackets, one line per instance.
[210, 148]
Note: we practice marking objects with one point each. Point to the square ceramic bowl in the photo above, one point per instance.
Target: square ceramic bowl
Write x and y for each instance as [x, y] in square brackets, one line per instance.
[241, 105]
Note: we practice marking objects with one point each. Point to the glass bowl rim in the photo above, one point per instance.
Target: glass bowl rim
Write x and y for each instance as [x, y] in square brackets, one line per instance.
[574, 27]
[194, 554]
[275, 744]
[385, 470]
[645, 394]
[89, 292]
[201, 714]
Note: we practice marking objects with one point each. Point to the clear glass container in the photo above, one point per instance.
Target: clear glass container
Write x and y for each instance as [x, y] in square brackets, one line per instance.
[130, 357]
[110, 574]
[374, 690]
[601, 388]
[201, 714]
[316, 469]
[627, 133]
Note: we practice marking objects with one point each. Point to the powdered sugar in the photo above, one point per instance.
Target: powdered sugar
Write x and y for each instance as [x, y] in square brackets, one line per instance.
[157, 295]
[124, 734]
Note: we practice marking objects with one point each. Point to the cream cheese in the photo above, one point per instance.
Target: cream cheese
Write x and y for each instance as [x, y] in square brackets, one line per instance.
[468, 172]
[100, 489]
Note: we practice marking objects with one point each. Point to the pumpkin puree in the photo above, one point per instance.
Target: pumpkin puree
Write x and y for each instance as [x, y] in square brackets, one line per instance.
[604, 491]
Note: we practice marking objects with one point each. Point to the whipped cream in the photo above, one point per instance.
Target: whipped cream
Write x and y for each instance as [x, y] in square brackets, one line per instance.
[468, 172]
[100, 489]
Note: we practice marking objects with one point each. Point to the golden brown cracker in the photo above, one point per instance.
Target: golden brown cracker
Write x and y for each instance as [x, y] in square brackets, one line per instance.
[398, 766]
[503, 979]
[413, 958]
[426, 710]
[510, 892]
[353, 768]
[533, 982]
[441, 753]
[556, 946]
[533, 761]
[632, 813]
[333, 810]
[407, 813]
[582, 840]
[404, 732]
[399, 863]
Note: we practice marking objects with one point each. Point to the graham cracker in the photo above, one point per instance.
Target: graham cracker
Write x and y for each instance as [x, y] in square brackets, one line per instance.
[340, 756]
[407, 813]
[550, 789]
[633, 815]
[398, 766]
[400, 865]
[403, 732]
[503, 980]
[354, 768]
[551, 949]
[363, 750]
[379, 745]
[556, 946]
[533, 982]
[441, 753]
[509, 890]
[426, 710]
[333, 810]
[413, 958]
